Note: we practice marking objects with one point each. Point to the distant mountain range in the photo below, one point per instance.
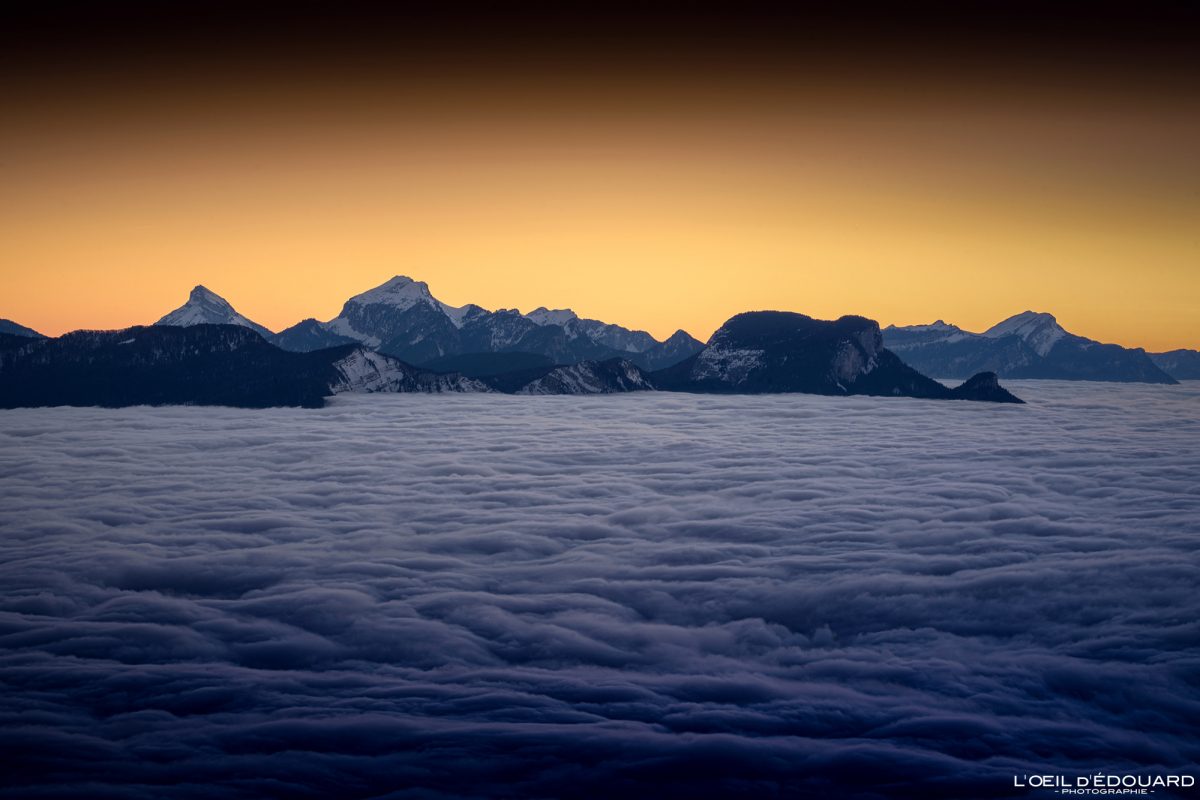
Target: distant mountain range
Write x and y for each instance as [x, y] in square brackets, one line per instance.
[403, 319]
[1033, 345]
[220, 364]
[398, 337]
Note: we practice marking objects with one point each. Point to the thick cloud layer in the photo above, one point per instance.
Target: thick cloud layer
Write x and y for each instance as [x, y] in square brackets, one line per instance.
[650, 594]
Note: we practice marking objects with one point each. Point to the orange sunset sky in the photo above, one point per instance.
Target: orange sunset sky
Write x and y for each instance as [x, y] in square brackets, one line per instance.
[658, 187]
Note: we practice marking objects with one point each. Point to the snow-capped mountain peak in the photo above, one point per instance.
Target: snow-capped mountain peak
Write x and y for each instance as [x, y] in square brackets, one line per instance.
[206, 307]
[1039, 330]
[201, 293]
[403, 318]
[400, 291]
[202, 299]
[546, 316]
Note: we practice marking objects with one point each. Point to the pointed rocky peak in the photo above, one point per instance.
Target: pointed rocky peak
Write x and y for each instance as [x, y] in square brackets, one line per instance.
[681, 337]
[201, 300]
[1039, 330]
[211, 303]
[681, 342]
[675, 348]
[546, 316]
[202, 294]
[206, 307]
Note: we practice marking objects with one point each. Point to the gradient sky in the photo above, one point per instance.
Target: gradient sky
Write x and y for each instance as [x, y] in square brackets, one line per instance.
[656, 171]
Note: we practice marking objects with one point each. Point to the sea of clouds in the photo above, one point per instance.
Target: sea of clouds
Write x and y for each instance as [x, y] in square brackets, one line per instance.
[656, 595]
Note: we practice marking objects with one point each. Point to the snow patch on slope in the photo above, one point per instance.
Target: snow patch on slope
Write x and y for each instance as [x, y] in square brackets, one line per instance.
[590, 377]
[368, 371]
[456, 313]
[342, 327]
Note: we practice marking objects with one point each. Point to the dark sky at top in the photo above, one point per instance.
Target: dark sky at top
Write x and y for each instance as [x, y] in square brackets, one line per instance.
[1147, 38]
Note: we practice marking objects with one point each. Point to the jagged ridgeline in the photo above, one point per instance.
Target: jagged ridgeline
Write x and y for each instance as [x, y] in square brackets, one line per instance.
[403, 319]
[231, 364]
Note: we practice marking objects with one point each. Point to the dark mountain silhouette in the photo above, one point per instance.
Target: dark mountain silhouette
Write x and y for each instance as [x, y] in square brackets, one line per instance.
[232, 365]
[196, 365]
[985, 387]
[779, 351]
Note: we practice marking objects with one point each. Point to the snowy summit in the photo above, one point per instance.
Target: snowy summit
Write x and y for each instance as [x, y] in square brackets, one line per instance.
[400, 291]
[206, 307]
[1038, 329]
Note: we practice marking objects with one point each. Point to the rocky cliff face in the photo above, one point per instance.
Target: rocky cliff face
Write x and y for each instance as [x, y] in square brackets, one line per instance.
[590, 377]
[363, 370]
